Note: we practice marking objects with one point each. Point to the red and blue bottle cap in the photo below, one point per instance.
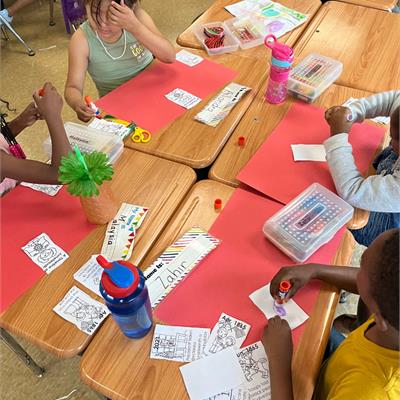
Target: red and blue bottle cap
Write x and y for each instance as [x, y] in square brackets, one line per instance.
[120, 278]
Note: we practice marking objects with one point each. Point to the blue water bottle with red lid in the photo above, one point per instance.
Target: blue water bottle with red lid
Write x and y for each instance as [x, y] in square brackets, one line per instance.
[123, 287]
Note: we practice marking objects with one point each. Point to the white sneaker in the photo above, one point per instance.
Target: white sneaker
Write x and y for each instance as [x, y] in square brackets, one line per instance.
[4, 14]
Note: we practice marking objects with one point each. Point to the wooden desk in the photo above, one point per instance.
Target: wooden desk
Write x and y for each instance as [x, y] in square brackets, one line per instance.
[195, 144]
[217, 12]
[139, 179]
[365, 40]
[120, 368]
[378, 4]
[259, 121]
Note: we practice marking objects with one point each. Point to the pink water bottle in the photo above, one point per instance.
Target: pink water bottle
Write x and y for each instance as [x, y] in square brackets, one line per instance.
[281, 63]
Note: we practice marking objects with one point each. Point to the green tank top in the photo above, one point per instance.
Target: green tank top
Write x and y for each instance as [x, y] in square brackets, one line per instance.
[107, 73]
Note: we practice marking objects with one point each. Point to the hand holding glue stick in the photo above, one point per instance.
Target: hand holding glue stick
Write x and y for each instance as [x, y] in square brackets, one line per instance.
[92, 106]
[340, 119]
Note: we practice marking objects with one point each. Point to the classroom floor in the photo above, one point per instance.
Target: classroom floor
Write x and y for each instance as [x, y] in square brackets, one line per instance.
[20, 76]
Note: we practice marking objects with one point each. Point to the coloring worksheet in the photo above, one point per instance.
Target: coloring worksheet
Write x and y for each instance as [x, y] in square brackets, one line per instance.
[227, 332]
[289, 311]
[115, 128]
[89, 275]
[188, 58]
[81, 310]
[183, 98]
[50, 190]
[254, 363]
[45, 253]
[121, 231]
[178, 343]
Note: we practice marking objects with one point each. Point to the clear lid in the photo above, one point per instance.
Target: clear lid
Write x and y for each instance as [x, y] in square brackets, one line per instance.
[90, 139]
[312, 76]
[307, 222]
[246, 30]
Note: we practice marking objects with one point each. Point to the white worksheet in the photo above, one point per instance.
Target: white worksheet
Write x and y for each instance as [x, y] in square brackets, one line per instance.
[190, 59]
[81, 310]
[115, 128]
[183, 98]
[50, 190]
[308, 152]
[227, 332]
[214, 374]
[289, 311]
[89, 275]
[179, 343]
[45, 253]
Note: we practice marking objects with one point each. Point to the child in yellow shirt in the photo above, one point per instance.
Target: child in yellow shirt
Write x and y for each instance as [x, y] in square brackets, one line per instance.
[366, 365]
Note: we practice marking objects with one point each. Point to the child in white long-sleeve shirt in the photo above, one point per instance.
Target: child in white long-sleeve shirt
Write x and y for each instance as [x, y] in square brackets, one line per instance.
[380, 193]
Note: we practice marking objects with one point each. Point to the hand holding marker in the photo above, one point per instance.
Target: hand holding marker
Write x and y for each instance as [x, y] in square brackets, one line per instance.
[93, 107]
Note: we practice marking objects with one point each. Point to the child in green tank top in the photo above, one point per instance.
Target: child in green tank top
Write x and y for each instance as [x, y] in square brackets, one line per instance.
[117, 42]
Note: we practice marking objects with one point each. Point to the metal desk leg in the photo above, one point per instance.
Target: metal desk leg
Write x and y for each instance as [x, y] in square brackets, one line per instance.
[21, 353]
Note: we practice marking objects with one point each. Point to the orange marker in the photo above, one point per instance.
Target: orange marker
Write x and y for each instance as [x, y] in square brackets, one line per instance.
[89, 103]
[284, 288]
[241, 141]
[41, 92]
[217, 204]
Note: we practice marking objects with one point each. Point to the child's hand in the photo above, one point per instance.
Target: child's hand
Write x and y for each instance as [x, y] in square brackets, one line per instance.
[29, 116]
[84, 112]
[122, 16]
[277, 341]
[298, 276]
[50, 103]
[338, 119]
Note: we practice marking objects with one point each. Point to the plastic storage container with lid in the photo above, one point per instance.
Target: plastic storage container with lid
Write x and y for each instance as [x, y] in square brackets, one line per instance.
[312, 76]
[230, 44]
[90, 139]
[307, 222]
[247, 31]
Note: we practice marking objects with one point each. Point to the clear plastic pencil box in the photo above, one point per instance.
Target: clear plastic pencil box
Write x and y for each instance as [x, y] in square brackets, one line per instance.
[312, 76]
[90, 139]
[244, 32]
[307, 222]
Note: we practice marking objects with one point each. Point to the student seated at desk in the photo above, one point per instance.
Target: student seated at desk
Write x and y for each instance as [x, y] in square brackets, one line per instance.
[13, 169]
[366, 365]
[380, 193]
[116, 43]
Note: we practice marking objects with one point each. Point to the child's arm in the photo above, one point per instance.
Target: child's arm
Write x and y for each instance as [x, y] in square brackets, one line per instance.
[299, 275]
[374, 193]
[49, 106]
[141, 25]
[380, 104]
[27, 118]
[78, 55]
[277, 341]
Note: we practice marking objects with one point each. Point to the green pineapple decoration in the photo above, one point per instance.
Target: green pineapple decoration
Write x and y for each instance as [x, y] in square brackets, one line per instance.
[85, 176]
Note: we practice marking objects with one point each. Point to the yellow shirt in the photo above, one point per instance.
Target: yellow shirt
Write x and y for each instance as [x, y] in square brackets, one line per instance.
[360, 370]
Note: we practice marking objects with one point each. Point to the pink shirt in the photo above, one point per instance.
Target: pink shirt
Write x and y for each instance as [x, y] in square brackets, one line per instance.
[6, 184]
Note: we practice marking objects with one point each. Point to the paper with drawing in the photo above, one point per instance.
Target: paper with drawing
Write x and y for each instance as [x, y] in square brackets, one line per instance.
[178, 343]
[289, 311]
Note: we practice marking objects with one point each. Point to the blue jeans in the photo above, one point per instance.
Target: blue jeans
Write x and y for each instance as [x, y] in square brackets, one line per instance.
[335, 339]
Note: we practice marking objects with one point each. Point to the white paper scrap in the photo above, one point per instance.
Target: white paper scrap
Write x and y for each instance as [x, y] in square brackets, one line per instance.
[114, 128]
[308, 152]
[179, 343]
[289, 311]
[176, 263]
[45, 253]
[89, 275]
[188, 58]
[81, 310]
[214, 374]
[50, 190]
[227, 332]
[183, 98]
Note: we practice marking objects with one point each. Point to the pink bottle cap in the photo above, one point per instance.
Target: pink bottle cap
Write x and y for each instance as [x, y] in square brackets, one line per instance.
[282, 53]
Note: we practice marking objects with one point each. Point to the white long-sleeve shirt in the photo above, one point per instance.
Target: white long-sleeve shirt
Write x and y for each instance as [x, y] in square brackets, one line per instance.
[379, 193]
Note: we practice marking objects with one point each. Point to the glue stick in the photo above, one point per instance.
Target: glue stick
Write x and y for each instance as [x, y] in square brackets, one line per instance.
[90, 104]
[284, 288]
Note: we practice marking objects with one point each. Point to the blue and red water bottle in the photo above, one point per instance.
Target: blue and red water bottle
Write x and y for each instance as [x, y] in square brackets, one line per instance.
[123, 287]
[281, 63]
